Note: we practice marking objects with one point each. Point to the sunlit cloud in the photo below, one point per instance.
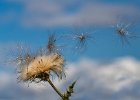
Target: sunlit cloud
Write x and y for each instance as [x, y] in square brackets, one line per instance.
[95, 80]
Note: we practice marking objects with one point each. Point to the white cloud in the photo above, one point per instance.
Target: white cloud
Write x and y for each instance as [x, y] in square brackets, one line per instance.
[87, 14]
[4, 79]
[48, 13]
[115, 80]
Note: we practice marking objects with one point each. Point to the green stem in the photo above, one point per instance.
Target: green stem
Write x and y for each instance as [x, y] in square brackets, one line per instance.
[56, 90]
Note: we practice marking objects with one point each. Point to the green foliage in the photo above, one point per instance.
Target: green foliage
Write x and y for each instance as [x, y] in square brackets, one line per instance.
[69, 91]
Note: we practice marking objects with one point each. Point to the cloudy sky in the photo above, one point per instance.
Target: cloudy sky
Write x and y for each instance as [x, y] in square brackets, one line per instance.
[107, 70]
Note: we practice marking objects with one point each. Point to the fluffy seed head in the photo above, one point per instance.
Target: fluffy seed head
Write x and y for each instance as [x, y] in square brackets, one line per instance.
[42, 66]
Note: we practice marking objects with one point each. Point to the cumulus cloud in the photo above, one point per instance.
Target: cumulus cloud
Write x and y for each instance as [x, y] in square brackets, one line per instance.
[114, 80]
[47, 13]
[54, 14]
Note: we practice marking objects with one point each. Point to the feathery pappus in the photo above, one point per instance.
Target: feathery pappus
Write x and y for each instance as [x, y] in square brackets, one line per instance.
[123, 32]
[82, 39]
[41, 67]
[51, 46]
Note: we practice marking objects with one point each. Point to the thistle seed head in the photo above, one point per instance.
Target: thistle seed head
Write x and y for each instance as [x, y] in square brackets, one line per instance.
[42, 66]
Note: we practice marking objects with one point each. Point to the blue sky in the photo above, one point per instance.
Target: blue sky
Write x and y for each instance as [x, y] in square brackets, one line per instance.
[30, 22]
[15, 14]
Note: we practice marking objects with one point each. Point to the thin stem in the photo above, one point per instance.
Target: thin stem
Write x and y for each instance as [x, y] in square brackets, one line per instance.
[56, 90]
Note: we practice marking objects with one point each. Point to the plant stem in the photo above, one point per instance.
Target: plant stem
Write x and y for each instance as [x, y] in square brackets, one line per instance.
[56, 90]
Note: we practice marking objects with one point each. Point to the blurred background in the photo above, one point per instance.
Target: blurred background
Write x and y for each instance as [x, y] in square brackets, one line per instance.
[107, 69]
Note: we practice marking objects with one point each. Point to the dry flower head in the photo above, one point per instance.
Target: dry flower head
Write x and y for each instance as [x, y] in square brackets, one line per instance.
[41, 67]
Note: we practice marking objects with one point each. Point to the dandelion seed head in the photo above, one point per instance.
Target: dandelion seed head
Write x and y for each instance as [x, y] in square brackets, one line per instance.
[42, 65]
